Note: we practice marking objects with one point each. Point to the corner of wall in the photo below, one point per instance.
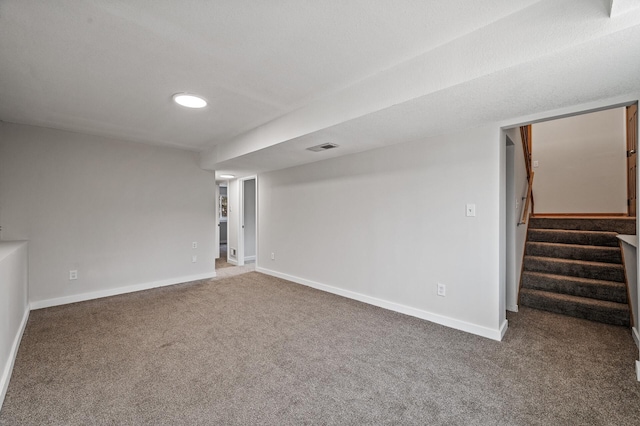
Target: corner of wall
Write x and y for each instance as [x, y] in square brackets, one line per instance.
[493, 334]
[9, 363]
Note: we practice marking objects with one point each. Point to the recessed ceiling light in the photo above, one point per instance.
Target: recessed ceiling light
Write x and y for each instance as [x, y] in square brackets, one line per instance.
[189, 101]
[227, 176]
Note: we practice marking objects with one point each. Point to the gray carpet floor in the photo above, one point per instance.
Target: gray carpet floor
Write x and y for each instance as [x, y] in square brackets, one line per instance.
[221, 262]
[256, 350]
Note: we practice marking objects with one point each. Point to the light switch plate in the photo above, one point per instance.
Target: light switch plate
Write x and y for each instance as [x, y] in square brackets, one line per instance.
[471, 210]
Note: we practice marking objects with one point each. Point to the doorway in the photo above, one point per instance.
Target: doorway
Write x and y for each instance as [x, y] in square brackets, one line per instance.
[248, 223]
[563, 185]
[222, 215]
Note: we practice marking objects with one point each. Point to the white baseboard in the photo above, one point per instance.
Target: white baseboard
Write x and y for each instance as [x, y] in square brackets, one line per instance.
[636, 336]
[638, 370]
[39, 304]
[494, 334]
[8, 367]
[513, 308]
[249, 258]
[503, 328]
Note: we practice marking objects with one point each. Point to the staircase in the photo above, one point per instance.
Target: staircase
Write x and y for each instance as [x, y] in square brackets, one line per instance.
[573, 266]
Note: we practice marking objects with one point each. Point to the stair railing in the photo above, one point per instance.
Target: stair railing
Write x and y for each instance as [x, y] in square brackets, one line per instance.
[525, 133]
[526, 200]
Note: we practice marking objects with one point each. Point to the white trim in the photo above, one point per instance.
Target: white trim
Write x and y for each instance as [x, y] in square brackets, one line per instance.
[503, 328]
[636, 336]
[241, 259]
[8, 367]
[638, 370]
[39, 304]
[585, 108]
[513, 308]
[494, 334]
[217, 220]
[249, 258]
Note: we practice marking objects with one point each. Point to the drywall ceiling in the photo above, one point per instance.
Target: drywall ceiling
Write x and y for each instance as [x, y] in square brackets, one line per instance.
[281, 76]
[111, 67]
[491, 99]
[546, 57]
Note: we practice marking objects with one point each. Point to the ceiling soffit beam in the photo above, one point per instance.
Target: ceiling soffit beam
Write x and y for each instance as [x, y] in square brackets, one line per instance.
[496, 47]
[620, 7]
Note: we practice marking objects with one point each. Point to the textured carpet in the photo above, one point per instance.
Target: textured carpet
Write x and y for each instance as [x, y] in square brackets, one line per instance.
[221, 262]
[252, 349]
[573, 266]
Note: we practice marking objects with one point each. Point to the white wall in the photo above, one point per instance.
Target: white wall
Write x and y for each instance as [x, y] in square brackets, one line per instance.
[14, 306]
[123, 214]
[630, 252]
[249, 213]
[517, 234]
[582, 164]
[328, 225]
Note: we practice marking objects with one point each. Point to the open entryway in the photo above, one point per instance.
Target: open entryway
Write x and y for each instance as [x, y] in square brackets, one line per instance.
[571, 193]
[247, 232]
[237, 225]
[222, 210]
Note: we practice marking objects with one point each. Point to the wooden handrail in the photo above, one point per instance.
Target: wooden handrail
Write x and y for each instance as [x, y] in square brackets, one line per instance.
[525, 134]
[525, 210]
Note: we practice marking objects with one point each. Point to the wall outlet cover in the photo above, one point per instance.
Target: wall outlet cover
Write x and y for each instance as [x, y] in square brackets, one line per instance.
[442, 289]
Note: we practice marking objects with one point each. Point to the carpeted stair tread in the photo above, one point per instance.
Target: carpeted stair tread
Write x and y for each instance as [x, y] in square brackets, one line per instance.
[575, 268]
[574, 251]
[576, 286]
[580, 307]
[561, 236]
[620, 225]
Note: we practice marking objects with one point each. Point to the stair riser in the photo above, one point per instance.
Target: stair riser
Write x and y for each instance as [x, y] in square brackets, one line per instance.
[598, 272]
[573, 288]
[608, 316]
[604, 254]
[573, 238]
[621, 226]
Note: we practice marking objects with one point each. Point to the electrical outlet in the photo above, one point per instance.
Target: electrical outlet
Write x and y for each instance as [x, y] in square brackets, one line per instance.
[73, 274]
[273, 256]
[194, 259]
[442, 289]
[194, 245]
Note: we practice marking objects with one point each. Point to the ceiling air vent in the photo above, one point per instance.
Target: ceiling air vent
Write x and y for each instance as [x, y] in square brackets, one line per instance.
[323, 147]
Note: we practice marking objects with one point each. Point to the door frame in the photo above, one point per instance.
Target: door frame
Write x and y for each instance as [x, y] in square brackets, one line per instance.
[216, 250]
[600, 105]
[635, 160]
[240, 255]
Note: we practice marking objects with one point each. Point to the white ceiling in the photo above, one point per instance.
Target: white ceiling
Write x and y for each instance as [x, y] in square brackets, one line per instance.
[284, 75]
